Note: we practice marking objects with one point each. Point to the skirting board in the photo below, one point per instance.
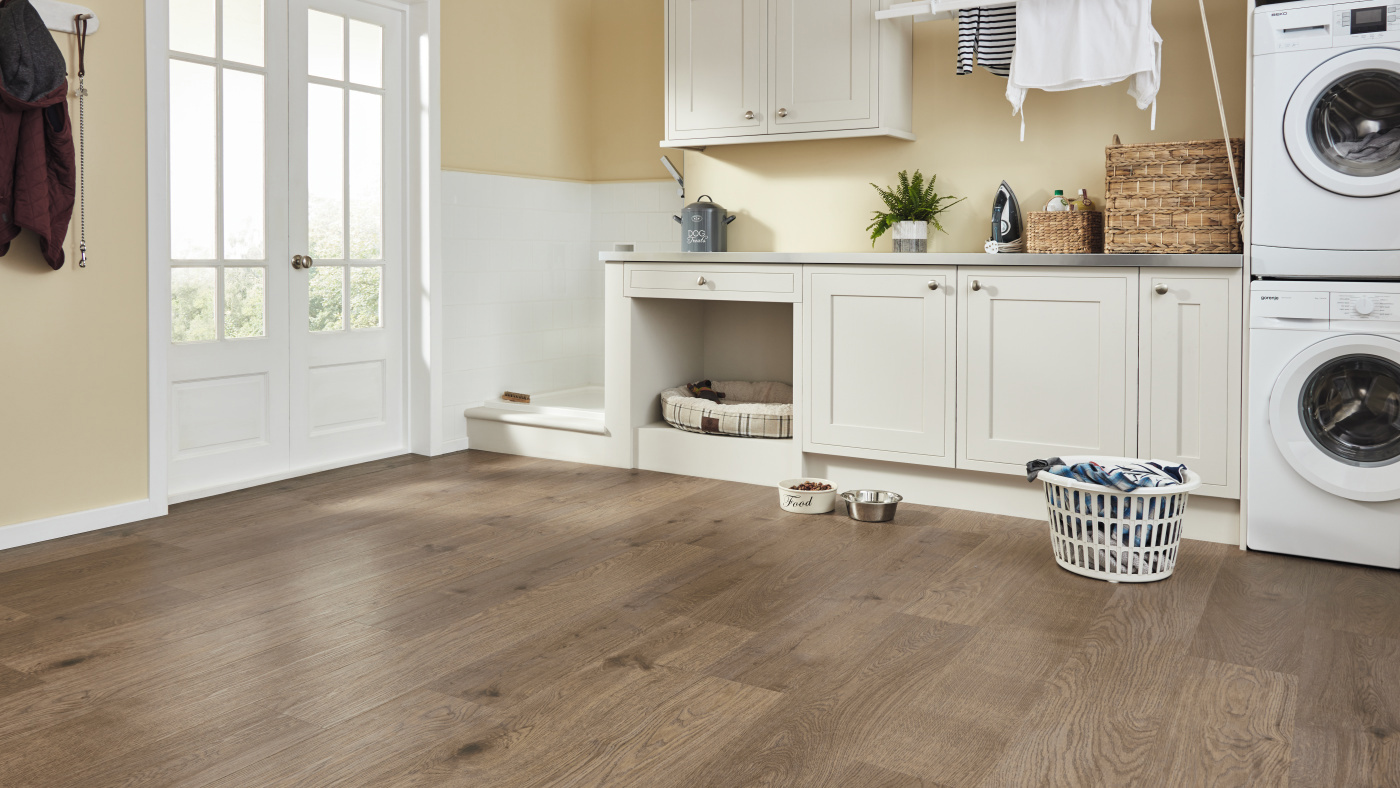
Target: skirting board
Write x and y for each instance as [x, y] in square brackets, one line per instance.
[1207, 519]
[19, 534]
[220, 489]
[546, 443]
[661, 447]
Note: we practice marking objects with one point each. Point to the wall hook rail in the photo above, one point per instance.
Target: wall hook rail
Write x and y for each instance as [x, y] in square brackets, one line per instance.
[59, 16]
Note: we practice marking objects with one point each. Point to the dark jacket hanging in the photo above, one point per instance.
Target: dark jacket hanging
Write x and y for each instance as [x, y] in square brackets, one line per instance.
[36, 140]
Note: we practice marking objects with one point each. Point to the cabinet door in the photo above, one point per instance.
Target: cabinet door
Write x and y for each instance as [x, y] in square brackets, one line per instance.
[880, 344]
[824, 60]
[1190, 373]
[718, 57]
[1047, 365]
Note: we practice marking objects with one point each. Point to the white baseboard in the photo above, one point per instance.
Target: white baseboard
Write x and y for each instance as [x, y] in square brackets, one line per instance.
[220, 489]
[454, 445]
[19, 534]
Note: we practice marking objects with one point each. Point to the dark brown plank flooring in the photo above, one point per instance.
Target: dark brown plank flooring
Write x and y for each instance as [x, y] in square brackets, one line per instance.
[490, 620]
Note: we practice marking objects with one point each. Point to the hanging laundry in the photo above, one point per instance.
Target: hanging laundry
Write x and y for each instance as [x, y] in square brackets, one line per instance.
[36, 140]
[986, 38]
[1070, 44]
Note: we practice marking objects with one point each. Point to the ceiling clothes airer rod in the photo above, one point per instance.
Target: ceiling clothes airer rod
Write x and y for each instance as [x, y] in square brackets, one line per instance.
[930, 10]
[62, 17]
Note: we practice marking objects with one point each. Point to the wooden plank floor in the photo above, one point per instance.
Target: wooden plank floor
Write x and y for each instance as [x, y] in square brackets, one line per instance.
[489, 620]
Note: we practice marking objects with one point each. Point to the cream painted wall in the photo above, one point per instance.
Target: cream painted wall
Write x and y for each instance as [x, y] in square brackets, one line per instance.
[815, 196]
[562, 89]
[73, 341]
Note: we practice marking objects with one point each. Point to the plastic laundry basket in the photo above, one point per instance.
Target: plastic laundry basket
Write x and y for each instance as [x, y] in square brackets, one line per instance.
[1122, 537]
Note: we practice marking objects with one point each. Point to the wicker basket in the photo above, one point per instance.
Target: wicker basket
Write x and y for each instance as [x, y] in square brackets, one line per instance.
[1164, 197]
[1064, 232]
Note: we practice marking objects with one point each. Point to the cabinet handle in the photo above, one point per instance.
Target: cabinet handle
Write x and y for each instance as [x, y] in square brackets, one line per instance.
[782, 112]
[700, 281]
[1160, 289]
[748, 115]
[932, 285]
[976, 285]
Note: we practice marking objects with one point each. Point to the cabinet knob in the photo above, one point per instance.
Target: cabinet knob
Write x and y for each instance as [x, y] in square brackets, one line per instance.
[700, 281]
[932, 285]
[782, 112]
[976, 285]
[748, 115]
[1160, 289]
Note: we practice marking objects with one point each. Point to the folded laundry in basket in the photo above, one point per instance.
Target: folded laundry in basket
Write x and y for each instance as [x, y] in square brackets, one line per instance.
[1126, 476]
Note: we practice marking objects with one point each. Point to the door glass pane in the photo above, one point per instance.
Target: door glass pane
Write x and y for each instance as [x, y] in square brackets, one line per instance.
[366, 53]
[1351, 409]
[243, 31]
[366, 175]
[325, 290]
[325, 177]
[243, 166]
[244, 291]
[193, 159]
[192, 26]
[192, 295]
[365, 283]
[325, 45]
[1356, 124]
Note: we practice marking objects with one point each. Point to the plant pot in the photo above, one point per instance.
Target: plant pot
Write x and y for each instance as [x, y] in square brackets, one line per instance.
[910, 236]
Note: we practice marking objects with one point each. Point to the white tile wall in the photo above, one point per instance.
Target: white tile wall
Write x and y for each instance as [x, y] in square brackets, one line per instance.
[522, 284]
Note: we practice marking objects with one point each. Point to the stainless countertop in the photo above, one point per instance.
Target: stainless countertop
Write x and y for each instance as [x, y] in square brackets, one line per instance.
[932, 258]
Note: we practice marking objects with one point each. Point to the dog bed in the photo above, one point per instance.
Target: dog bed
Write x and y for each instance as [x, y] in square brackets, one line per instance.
[749, 410]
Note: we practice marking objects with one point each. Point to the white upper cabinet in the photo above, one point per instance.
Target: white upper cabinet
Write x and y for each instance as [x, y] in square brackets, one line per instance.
[768, 70]
[1047, 364]
[718, 64]
[1190, 373]
[882, 363]
[823, 58]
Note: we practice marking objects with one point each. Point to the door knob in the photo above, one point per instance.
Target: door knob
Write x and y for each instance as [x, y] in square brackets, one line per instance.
[932, 285]
[782, 112]
[700, 281]
[748, 115]
[302, 261]
[976, 285]
[1160, 289]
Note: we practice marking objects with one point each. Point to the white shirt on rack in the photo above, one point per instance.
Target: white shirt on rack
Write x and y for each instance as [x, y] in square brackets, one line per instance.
[1069, 44]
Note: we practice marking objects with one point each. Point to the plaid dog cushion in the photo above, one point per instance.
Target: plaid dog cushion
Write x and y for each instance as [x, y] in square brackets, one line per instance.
[750, 410]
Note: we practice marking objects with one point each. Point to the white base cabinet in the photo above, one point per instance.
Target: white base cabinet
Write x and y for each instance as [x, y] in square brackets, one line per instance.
[1047, 364]
[880, 344]
[1190, 373]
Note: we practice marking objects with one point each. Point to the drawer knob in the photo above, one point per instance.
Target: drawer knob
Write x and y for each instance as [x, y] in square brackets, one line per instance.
[782, 112]
[701, 281]
[1160, 289]
[748, 115]
[932, 285]
[976, 285]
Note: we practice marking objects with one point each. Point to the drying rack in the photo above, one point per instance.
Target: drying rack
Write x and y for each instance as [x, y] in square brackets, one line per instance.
[58, 16]
[930, 10]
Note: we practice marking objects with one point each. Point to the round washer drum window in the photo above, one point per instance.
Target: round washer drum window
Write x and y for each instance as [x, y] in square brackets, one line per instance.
[1350, 408]
[1355, 124]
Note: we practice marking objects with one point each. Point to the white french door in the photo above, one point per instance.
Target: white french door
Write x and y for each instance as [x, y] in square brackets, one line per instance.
[286, 241]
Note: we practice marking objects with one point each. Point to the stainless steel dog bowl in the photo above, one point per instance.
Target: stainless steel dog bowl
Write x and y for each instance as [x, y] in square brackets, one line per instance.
[871, 506]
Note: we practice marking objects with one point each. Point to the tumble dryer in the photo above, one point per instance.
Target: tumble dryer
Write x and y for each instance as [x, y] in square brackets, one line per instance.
[1324, 420]
[1326, 139]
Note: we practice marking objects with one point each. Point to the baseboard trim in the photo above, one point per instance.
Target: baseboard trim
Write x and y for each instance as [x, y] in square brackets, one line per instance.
[220, 489]
[59, 526]
[452, 446]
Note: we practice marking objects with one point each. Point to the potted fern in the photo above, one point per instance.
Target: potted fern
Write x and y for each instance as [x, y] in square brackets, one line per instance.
[912, 208]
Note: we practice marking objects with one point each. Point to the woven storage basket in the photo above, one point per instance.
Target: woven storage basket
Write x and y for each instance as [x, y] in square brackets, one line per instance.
[1064, 232]
[1163, 197]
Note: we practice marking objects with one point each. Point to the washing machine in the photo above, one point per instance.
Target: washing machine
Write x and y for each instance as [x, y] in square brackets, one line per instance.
[1324, 417]
[1325, 139]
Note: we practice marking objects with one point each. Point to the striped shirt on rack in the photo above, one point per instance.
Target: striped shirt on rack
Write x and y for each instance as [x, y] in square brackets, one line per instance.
[986, 37]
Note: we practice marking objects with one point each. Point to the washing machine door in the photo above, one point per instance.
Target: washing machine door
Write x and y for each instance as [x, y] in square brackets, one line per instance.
[1335, 416]
[1342, 125]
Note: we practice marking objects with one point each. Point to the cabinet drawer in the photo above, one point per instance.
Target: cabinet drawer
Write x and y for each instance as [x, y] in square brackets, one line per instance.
[714, 282]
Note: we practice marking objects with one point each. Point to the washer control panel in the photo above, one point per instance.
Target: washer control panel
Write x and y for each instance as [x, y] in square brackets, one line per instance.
[1365, 306]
